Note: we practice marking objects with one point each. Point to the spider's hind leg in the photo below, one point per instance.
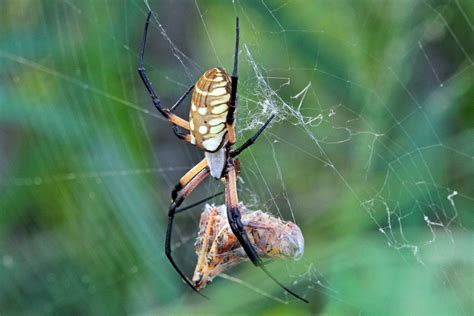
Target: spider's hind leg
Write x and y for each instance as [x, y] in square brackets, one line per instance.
[181, 98]
[234, 82]
[184, 136]
[174, 119]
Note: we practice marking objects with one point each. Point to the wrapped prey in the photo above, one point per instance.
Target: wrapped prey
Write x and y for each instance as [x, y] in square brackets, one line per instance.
[218, 249]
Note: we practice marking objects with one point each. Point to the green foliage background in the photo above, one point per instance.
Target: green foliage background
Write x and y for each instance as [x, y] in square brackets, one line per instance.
[86, 164]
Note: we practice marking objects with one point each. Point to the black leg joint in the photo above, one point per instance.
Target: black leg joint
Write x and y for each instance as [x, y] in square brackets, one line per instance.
[233, 100]
[175, 191]
[157, 103]
[178, 133]
[174, 204]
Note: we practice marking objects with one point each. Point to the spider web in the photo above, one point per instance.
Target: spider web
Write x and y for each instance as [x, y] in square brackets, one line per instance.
[370, 152]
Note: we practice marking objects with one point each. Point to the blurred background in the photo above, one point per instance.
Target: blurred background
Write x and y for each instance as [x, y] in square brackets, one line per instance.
[371, 154]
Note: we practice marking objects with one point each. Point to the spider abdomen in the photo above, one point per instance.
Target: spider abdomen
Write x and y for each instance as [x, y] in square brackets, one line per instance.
[209, 107]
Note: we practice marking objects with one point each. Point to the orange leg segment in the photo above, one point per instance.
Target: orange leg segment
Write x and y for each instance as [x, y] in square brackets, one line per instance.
[188, 177]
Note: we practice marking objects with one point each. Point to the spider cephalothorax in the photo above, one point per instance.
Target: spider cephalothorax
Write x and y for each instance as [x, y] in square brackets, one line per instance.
[210, 128]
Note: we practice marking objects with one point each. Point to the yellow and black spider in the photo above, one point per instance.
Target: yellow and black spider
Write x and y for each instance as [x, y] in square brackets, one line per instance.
[211, 128]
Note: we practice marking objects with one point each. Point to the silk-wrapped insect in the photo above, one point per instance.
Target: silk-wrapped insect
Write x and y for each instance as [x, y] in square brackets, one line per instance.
[218, 249]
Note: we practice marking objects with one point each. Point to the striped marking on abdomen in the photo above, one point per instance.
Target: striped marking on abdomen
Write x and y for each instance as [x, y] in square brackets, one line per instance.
[209, 107]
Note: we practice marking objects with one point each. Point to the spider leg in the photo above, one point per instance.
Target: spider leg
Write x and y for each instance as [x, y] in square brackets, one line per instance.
[176, 131]
[154, 97]
[188, 177]
[233, 94]
[181, 99]
[183, 136]
[178, 198]
[233, 216]
[251, 140]
[198, 203]
[236, 52]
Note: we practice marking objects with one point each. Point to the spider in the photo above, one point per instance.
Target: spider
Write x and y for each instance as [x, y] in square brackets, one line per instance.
[211, 129]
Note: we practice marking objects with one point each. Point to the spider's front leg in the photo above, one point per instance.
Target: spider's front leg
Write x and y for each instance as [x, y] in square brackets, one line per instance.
[233, 213]
[185, 186]
[233, 216]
